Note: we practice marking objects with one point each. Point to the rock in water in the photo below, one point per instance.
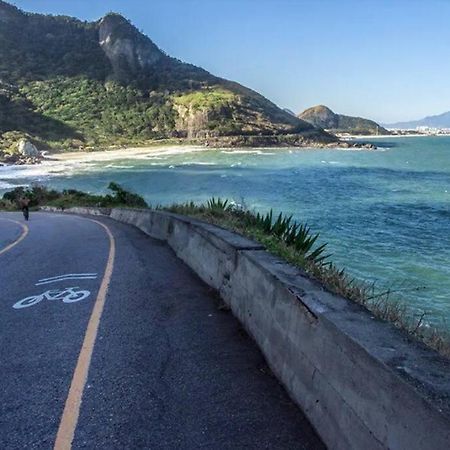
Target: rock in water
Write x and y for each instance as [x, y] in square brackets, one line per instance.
[26, 148]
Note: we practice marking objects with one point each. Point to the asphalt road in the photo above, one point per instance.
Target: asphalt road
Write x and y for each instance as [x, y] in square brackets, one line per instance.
[167, 368]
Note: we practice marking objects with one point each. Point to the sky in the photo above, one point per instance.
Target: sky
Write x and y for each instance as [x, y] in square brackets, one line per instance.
[387, 60]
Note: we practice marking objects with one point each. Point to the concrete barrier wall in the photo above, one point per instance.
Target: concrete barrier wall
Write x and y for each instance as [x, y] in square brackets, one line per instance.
[361, 382]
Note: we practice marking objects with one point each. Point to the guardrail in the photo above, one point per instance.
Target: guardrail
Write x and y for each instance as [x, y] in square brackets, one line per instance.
[362, 383]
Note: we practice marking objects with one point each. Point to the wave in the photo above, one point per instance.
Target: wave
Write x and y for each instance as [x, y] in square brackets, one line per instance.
[198, 163]
[242, 152]
[5, 185]
[117, 166]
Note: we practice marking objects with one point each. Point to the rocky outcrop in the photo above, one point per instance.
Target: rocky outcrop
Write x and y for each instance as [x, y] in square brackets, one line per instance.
[128, 51]
[304, 140]
[192, 123]
[26, 148]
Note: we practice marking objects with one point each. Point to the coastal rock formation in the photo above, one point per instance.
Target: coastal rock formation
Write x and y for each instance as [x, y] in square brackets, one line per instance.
[128, 51]
[323, 117]
[26, 148]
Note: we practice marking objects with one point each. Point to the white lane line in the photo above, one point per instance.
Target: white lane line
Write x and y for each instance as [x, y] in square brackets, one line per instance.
[64, 279]
[68, 275]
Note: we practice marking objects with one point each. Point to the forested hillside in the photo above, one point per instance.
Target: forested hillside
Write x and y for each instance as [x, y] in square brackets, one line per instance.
[68, 84]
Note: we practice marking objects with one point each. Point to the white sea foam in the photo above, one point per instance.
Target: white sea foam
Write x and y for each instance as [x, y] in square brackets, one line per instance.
[198, 163]
[68, 164]
[128, 153]
[117, 166]
[243, 152]
[5, 185]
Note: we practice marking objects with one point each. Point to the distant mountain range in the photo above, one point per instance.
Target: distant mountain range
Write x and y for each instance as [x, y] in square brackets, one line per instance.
[438, 121]
[66, 83]
[323, 117]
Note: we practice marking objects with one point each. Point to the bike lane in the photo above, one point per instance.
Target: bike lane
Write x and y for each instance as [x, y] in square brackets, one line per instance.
[169, 369]
[62, 260]
[172, 369]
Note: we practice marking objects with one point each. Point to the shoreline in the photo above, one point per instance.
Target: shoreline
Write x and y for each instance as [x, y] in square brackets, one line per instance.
[150, 152]
[387, 136]
[122, 153]
[154, 151]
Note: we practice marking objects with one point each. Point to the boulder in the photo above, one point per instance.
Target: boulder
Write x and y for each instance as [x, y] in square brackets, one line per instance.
[26, 148]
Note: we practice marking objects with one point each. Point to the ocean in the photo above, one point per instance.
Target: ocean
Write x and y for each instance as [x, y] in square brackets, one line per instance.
[384, 213]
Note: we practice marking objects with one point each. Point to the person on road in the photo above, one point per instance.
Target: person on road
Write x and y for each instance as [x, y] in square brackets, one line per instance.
[24, 204]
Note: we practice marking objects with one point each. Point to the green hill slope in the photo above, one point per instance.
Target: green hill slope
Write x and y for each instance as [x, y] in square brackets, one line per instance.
[65, 83]
[322, 117]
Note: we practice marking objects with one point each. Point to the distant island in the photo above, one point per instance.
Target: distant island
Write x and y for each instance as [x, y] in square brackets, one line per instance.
[438, 122]
[73, 85]
[323, 117]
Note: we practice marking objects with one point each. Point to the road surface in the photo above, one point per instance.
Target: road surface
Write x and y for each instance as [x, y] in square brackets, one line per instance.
[108, 341]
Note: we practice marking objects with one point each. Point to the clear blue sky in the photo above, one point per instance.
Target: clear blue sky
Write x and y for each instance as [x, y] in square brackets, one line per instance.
[383, 59]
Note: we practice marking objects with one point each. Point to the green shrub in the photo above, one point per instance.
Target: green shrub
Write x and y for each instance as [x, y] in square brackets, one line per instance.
[43, 196]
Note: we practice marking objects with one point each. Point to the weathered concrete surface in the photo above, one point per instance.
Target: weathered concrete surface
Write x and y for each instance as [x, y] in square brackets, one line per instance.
[360, 381]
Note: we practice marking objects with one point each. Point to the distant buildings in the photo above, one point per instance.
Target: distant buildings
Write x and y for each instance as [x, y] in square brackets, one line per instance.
[422, 130]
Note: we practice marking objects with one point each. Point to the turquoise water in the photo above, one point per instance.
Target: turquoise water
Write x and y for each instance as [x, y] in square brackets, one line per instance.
[384, 213]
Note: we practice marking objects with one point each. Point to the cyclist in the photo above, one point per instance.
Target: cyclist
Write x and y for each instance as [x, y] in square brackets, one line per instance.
[24, 204]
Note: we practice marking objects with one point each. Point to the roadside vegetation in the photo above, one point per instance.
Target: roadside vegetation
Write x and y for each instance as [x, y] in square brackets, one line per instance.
[42, 196]
[280, 234]
[298, 245]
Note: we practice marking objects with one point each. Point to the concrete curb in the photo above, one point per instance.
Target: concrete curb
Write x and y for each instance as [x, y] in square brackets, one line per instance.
[361, 382]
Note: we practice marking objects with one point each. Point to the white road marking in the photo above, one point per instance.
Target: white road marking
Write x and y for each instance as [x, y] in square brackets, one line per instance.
[66, 278]
[68, 275]
[67, 295]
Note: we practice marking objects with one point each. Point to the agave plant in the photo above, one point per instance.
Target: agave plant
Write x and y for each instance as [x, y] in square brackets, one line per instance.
[218, 204]
[292, 234]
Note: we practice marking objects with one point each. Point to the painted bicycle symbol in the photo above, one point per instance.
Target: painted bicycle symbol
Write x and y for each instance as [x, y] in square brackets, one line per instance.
[67, 295]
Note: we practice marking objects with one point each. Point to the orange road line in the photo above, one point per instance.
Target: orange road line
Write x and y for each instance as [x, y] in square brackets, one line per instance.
[69, 418]
[25, 231]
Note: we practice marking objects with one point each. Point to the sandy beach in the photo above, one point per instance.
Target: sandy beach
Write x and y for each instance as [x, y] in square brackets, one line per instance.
[123, 153]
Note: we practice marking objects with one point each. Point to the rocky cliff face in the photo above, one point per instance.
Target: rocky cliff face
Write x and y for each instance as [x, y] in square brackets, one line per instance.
[127, 50]
[323, 117]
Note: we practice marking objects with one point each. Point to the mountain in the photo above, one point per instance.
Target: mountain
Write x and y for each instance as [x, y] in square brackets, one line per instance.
[65, 83]
[289, 111]
[322, 117]
[439, 121]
